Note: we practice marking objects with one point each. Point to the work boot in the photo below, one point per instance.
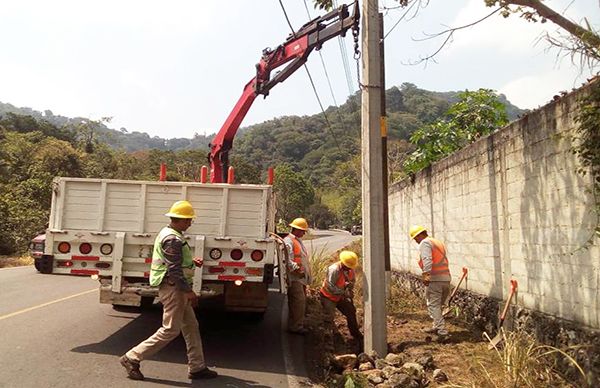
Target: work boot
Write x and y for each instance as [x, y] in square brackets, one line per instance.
[132, 367]
[203, 374]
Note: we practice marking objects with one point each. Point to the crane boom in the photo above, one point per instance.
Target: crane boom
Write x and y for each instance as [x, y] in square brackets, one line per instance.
[294, 52]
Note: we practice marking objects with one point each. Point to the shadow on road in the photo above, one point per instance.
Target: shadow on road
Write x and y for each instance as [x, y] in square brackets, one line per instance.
[230, 340]
[221, 381]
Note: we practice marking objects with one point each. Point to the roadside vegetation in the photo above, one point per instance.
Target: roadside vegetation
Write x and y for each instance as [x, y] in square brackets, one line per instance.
[317, 161]
[464, 357]
[9, 261]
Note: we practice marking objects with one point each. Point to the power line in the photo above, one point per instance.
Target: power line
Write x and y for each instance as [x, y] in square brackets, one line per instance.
[345, 61]
[327, 73]
[312, 83]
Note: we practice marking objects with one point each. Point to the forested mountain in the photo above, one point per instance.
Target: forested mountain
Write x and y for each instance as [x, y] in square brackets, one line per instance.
[118, 139]
[317, 158]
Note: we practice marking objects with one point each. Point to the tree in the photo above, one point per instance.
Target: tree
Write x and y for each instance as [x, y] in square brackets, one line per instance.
[294, 193]
[476, 114]
[581, 40]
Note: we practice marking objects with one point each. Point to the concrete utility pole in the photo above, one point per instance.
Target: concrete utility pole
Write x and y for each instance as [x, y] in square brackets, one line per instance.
[373, 127]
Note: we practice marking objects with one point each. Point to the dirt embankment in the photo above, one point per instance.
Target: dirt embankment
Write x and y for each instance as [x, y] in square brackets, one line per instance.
[463, 356]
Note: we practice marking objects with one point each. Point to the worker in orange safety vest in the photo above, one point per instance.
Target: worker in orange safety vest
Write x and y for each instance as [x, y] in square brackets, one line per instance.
[435, 274]
[298, 275]
[338, 291]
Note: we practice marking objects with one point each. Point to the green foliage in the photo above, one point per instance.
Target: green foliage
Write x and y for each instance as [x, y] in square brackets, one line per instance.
[318, 173]
[588, 144]
[294, 193]
[321, 216]
[476, 114]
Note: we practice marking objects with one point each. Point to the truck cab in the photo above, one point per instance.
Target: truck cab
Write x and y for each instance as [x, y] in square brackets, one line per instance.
[36, 250]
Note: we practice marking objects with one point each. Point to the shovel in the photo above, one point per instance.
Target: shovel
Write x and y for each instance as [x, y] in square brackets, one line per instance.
[447, 309]
[494, 342]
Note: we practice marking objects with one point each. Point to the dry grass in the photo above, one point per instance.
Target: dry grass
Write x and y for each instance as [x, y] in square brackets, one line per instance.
[465, 357]
[7, 261]
[526, 363]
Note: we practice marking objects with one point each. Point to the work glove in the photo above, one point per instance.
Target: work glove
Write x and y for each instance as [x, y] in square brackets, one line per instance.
[350, 294]
[426, 277]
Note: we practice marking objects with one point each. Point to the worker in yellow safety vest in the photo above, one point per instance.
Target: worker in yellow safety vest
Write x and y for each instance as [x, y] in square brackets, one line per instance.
[435, 274]
[172, 271]
[338, 291]
[298, 275]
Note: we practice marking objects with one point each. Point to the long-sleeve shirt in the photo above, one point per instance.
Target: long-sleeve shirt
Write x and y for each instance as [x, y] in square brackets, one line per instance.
[292, 266]
[333, 274]
[426, 254]
[172, 247]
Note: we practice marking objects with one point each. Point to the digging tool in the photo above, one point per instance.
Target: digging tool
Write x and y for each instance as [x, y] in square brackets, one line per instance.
[447, 309]
[494, 342]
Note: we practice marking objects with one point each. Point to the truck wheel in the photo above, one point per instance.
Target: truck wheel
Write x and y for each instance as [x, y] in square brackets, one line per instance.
[147, 302]
[256, 316]
[46, 264]
[37, 265]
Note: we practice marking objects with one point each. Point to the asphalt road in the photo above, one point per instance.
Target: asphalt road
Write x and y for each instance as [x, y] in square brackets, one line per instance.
[55, 333]
[328, 241]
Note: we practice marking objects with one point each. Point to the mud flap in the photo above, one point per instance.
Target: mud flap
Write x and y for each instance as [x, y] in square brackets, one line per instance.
[249, 296]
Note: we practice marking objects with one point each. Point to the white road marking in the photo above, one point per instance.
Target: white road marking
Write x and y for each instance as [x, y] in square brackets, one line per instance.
[290, 371]
[46, 304]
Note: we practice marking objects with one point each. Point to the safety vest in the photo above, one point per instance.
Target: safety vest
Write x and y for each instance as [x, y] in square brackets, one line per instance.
[159, 265]
[343, 278]
[438, 255]
[297, 251]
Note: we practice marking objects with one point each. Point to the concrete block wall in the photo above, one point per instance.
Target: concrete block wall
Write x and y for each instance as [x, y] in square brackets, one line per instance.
[511, 206]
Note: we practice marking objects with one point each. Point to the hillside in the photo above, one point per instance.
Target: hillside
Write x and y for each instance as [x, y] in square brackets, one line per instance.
[408, 107]
[317, 158]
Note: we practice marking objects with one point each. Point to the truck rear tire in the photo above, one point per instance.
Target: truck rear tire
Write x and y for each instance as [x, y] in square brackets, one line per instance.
[256, 316]
[37, 265]
[147, 302]
[46, 264]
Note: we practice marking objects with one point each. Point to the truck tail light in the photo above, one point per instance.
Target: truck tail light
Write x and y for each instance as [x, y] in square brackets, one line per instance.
[64, 247]
[215, 254]
[254, 271]
[106, 249]
[216, 269]
[257, 255]
[102, 265]
[237, 254]
[64, 263]
[85, 248]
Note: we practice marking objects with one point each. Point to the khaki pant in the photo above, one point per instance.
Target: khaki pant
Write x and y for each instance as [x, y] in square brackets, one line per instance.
[346, 307]
[436, 294]
[296, 305]
[178, 317]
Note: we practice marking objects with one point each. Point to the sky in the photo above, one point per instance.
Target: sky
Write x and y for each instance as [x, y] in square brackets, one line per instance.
[176, 68]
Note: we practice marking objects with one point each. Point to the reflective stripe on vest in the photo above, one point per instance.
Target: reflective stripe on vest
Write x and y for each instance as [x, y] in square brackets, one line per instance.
[297, 250]
[339, 283]
[159, 266]
[439, 259]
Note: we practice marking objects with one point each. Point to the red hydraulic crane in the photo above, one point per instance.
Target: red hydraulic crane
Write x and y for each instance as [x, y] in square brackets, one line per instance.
[296, 49]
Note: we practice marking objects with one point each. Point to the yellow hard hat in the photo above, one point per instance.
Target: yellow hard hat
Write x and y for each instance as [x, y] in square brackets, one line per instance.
[181, 209]
[299, 223]
[415, 230]
[349, 259]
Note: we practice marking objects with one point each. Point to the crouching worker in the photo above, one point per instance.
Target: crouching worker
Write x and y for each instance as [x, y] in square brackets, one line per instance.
[173, 271]
[338, 290]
